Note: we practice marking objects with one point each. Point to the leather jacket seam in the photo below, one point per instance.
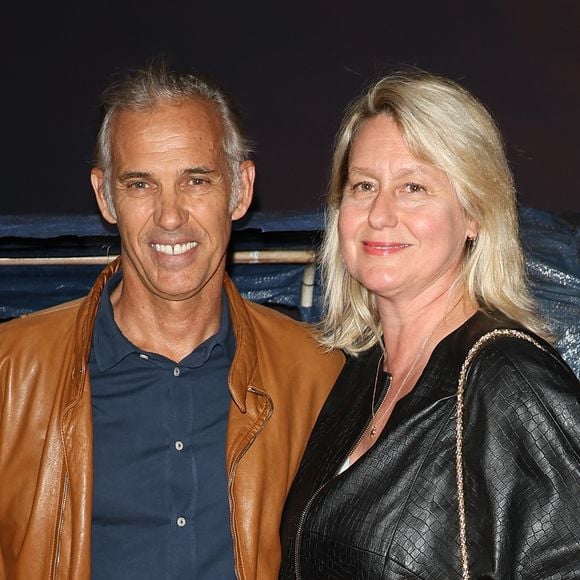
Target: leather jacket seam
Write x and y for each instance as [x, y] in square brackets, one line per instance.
[401, 565]
[443, 428]
[242, 447]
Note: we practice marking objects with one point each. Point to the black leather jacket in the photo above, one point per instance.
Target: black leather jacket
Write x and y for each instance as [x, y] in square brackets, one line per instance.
[393, 514]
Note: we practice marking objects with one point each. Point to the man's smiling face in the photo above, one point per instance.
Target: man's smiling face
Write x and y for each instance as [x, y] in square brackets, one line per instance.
[171, 192]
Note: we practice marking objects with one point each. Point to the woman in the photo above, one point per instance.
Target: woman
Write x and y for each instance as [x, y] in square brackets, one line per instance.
[416, 469]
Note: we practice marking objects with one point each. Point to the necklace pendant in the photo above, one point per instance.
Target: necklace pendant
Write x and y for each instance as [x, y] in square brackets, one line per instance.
[373, 432]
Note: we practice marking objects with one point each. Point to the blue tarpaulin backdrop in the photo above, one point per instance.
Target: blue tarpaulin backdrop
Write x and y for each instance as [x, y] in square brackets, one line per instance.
[551, 246]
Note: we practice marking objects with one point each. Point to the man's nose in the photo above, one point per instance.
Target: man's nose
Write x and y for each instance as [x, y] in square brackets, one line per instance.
[171, 212]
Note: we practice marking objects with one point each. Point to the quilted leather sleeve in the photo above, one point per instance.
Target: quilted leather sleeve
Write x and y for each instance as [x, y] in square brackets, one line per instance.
[522, 464]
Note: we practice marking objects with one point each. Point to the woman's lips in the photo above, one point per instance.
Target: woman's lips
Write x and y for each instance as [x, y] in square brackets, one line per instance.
[384, 248]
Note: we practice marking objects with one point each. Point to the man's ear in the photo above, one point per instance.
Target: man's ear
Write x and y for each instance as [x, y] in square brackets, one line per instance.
[246, 191]
[98, 183]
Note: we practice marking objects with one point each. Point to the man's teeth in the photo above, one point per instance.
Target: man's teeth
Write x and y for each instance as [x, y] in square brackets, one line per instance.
[174, 250]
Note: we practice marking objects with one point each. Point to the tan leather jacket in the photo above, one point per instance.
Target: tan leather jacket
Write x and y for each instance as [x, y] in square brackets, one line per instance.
[278, 382]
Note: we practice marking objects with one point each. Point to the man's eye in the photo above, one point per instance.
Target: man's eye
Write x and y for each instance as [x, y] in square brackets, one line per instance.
[137, 185]
[198, 181]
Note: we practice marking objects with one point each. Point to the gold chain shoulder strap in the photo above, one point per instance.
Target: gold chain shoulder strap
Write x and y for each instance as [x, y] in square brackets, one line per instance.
[459, 473]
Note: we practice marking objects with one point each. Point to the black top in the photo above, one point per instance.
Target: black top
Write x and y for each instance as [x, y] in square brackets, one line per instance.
[393, 514]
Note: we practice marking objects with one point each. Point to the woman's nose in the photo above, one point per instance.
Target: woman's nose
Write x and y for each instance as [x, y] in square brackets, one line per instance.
[383, 212]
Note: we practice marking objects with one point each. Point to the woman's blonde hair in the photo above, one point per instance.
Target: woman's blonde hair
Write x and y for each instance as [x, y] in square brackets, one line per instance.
[442, 124]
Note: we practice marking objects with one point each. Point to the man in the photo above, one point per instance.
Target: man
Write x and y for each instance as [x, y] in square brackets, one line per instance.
[152, 429]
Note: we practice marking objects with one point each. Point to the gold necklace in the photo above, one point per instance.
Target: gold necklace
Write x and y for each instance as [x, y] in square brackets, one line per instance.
[373, 430]
[376, 417]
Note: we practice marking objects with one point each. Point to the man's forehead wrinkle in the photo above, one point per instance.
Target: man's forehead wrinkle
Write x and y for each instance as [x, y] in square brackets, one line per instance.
[198, 170]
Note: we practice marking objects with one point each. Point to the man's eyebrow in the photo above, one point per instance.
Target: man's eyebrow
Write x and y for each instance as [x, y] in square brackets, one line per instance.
[134, 175]
[197, 170]
[201, 170]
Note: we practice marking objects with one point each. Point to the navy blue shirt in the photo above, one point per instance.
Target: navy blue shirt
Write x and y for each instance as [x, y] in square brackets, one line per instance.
[161, 506]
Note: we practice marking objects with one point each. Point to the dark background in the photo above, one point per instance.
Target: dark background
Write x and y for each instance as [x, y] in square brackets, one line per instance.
[292, 67]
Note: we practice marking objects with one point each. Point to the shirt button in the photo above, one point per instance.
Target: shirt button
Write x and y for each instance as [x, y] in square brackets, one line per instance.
[181, 522]
[176, 372]
[178, 445]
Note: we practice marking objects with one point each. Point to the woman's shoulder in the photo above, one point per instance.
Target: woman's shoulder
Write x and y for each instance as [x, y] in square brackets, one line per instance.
[488, 333]
[502, 361]
[515, 375]
[517, 360]
[496, 341]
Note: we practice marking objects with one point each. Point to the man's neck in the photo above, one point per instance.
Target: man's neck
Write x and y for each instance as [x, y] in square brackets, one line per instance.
[172, 329]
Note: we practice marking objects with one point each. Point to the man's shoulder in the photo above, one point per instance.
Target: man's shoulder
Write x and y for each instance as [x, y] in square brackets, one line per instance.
[277, 331]
[47, 323]
[274, 335]
[278, 322]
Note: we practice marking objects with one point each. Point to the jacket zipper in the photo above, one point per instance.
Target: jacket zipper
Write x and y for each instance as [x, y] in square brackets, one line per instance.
[297, 541]
[297, 571]
[59, 529]
[233, 473]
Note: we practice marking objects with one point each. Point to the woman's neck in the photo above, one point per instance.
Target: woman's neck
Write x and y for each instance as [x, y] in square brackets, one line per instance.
[411, 330]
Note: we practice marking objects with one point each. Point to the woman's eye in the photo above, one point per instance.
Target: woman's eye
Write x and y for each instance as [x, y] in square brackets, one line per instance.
[362, 187]
[413, 188]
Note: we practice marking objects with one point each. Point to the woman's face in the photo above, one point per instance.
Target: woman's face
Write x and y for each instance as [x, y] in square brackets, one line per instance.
[402, 231]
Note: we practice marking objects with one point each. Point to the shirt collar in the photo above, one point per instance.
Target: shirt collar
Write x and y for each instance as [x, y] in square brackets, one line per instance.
[224, 339]
[110, 346]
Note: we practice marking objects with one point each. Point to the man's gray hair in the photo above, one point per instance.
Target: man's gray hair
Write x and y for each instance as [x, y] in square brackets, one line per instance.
[142, 89]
